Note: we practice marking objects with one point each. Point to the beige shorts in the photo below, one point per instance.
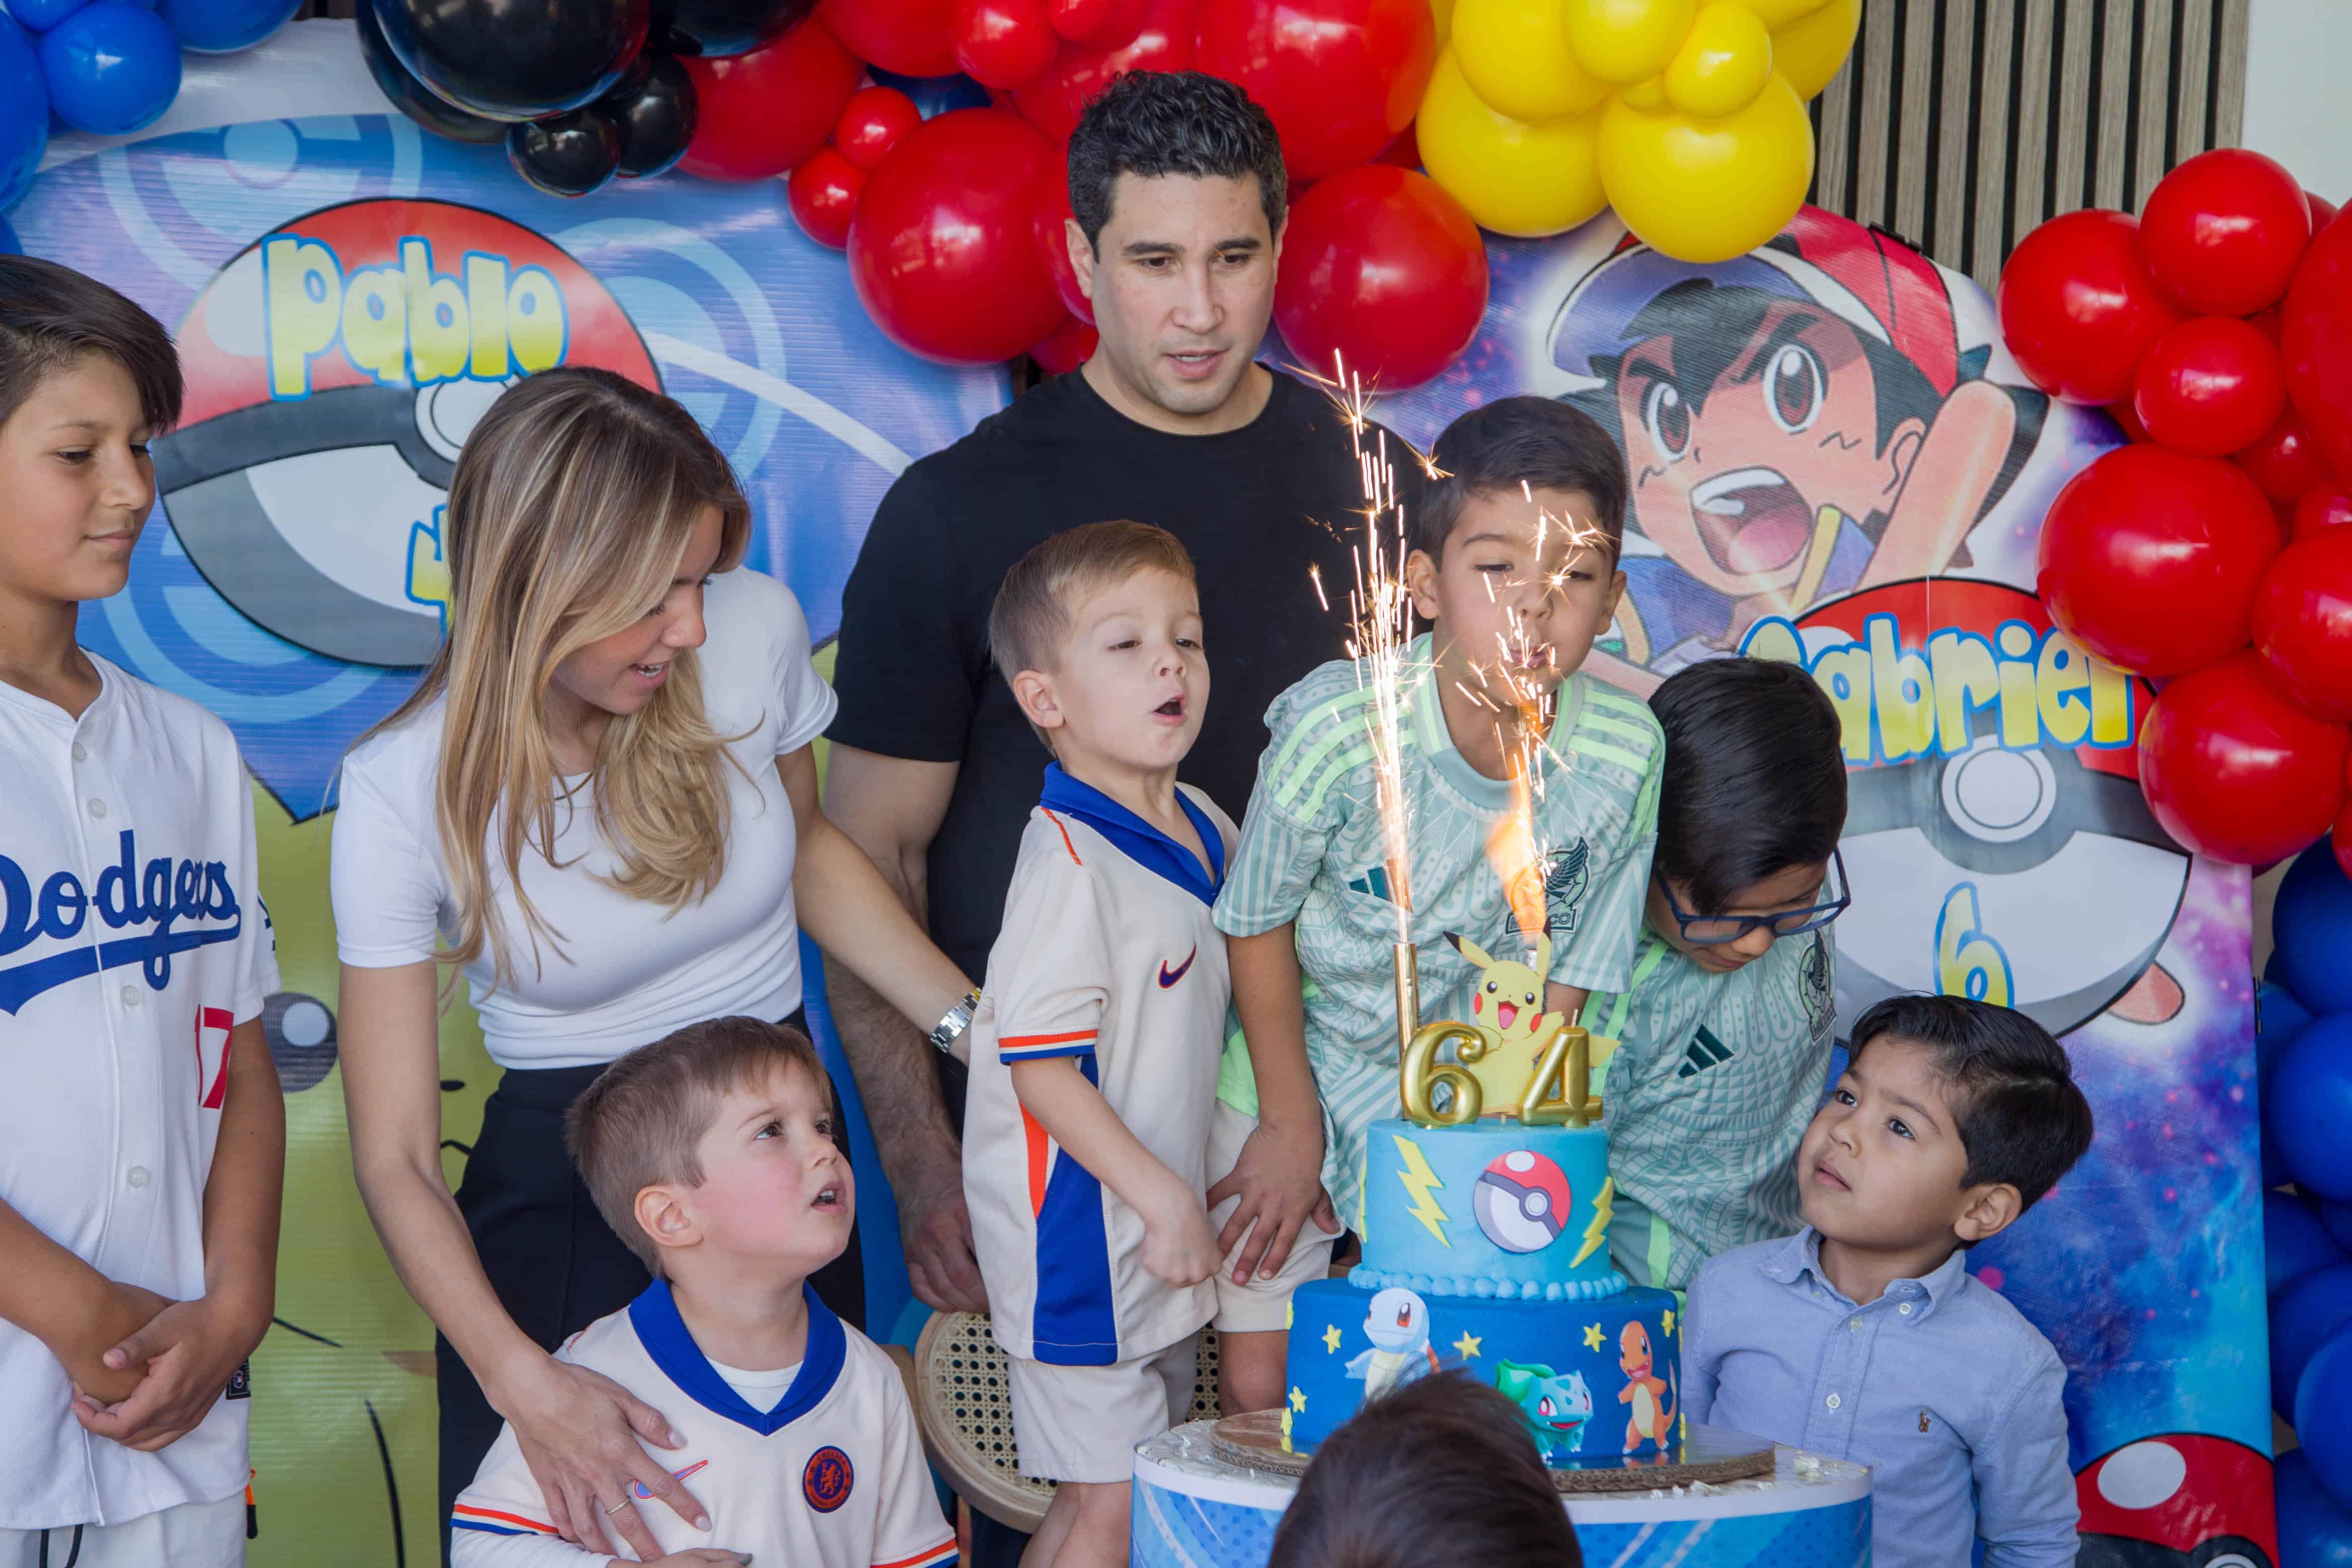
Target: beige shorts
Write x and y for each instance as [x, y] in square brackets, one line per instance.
[1262, 1304]
[1082, 1423]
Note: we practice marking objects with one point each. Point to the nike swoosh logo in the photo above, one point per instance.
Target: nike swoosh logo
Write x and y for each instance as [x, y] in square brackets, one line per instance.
[1167, 978]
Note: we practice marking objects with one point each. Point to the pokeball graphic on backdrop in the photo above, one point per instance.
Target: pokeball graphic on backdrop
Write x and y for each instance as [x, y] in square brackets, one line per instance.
[334, 371]
[1522, 1201]
[1993, 762]
[2181, 1500]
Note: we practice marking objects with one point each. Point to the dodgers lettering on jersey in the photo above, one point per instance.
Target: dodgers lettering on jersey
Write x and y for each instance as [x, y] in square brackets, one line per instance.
[132, 945]
[161, 907]
[831, 1477]
[1109, 956]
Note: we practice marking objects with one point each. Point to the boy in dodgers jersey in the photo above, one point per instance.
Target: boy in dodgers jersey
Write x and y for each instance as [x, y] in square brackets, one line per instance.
[710, 1152]
[1094, 1058]
[142, 1138]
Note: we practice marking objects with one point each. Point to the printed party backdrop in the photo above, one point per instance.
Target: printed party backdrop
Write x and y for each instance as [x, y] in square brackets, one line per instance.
[1835, 461]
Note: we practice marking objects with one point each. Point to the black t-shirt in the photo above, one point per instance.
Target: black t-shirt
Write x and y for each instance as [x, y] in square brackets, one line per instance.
[1256, 507]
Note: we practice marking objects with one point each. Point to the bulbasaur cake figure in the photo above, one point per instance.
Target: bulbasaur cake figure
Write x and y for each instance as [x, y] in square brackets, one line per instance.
[1558, 1408]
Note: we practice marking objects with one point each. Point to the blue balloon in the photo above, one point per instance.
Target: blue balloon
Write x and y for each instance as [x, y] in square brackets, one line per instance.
[2314, 1532]
[218, 26]
[934, 95]
[24, 114]
[112, 67]
[8, 242]
[40, 15]
[2295, 1241]
[2323, 1416]
[2309, 1106]
[2302, 1318]
[2279, 1016]
[2311, 923]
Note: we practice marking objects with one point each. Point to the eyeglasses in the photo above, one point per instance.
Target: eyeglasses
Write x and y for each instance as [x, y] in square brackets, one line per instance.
[1711, 930]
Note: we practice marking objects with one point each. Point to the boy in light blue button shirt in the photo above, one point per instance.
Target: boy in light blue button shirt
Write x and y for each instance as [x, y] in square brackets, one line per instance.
[1864, 1336]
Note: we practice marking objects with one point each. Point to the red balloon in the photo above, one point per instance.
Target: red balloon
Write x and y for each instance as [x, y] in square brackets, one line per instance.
[2127, 420]
[941, 249]
[2316, 342]
[2322, 507]
[1049, 232]
[1002, 43]
[1164, 43]
[908, 36]
[2323, 211]
[1404, 151]
[1067, 348]
[2222, 233]
[877, 116]
[2284, 461]
[2208, 386]
[769, 110]
[1383, 266]
[1097, 24]
[1340, 78]
[2234, 769]
[2150, 559]
[2342, 839]
[2078, 308]
[2303, 621]
[823, 193]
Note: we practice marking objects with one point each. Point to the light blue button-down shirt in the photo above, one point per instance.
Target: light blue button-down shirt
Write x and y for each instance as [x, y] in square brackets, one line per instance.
[1940, 1386]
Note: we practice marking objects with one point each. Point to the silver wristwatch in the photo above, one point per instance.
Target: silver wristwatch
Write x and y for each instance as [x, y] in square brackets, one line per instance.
[949, 1029]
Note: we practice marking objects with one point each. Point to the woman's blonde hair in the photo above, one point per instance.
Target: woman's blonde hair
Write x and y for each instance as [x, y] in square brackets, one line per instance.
[572, 506]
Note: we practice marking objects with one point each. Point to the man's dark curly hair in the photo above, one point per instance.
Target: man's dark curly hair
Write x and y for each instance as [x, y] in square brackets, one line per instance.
[1172, 122]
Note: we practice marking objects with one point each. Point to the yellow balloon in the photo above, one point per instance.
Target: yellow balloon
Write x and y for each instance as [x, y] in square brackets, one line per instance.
[1649, 96]
[1709, 190]
[1810, 52]
[1781, 13]
[1514, 54]
[1442, 10]
[1626, 40]
[1723, 63]
[1512, 177]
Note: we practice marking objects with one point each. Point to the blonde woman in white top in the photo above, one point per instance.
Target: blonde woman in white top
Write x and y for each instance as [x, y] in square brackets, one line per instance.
[600, 806]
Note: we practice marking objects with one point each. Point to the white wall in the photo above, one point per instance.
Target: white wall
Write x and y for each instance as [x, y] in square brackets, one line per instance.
[2297, 107]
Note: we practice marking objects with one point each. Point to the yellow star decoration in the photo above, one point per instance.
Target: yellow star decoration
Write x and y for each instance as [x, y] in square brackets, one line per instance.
[1468, 1344]
[1290, 1316]
[1592, 1336]
[1331, 1339]
[1669, 1320]
[1299, 1400]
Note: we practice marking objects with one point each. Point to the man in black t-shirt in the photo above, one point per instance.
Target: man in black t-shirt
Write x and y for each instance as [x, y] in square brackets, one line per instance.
[1178, 186]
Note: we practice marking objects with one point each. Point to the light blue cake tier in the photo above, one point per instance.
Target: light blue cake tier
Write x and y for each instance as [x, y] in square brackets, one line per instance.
[1492, 1210]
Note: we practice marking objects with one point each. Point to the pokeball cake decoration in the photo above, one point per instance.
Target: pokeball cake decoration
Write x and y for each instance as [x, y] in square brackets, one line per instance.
[1523, 1201]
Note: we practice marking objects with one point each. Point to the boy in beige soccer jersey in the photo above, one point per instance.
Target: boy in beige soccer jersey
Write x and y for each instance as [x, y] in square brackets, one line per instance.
[1513, 562]
[1094, 1055]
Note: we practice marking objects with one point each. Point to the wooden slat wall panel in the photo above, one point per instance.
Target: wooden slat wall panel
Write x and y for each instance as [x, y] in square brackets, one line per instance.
[1962, 124]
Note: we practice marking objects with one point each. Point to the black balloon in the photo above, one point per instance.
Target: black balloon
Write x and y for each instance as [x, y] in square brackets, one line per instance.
[516, 59]
[716, 27]
[414, 100]
[567, 154]
[656, 114]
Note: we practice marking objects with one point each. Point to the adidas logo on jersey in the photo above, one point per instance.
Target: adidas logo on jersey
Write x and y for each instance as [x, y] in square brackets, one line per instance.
[1705, 1052]
[146, 904]
[1374, 882]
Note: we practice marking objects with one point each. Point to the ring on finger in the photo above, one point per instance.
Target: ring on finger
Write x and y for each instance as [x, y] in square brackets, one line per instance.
[617, 1507]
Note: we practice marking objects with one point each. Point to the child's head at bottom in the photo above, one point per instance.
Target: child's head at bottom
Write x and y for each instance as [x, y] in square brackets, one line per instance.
[711, 1153]
[1440, 1474]
[1098, 630]
[1952, 1118]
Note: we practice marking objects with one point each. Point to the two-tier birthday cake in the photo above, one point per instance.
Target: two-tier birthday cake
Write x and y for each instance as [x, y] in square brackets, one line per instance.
[1486, 1248]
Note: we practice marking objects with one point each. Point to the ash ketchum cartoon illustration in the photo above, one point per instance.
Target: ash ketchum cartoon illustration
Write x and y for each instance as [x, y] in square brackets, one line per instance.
[1798, 423]
[1398, 1326]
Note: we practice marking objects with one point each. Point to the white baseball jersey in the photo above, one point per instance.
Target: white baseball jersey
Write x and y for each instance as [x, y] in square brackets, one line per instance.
[1108, 954]
[133, 940]
[832, 1477]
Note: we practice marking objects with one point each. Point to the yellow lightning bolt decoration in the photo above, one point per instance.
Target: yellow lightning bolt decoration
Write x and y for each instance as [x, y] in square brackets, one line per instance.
[1421, 1182]
[1602, 1212]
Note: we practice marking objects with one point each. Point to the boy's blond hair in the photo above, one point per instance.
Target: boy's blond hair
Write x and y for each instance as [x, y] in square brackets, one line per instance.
[1030, 618]
[640, 1124]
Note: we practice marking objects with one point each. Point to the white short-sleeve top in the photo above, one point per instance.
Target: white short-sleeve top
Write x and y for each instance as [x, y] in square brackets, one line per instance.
[625, 972]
